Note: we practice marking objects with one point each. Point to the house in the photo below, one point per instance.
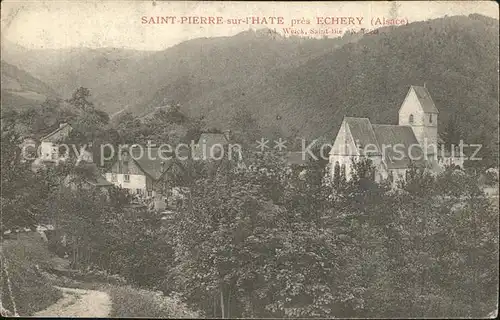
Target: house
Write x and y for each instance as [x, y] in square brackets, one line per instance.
[51, 150]
[148, 173]
[217, 151]
[211, 146]
[86, 176]
[393, 148]
[49, 144]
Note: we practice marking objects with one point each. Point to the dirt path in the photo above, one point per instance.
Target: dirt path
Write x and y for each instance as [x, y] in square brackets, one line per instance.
[79, 303]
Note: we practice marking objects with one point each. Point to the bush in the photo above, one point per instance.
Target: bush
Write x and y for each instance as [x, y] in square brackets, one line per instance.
[491, 179]
[131, 302]
[32, 292]
[99, 276]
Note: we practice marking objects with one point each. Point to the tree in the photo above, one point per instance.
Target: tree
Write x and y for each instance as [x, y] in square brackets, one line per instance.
[263, 242]
[452, 132]
[19, 184]
[258, 247]
[80, 99]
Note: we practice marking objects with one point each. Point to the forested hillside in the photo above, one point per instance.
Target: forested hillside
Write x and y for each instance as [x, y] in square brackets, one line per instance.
[121, 78]
[105, 71]
[21, 90]
[295, 86]
[455, 57]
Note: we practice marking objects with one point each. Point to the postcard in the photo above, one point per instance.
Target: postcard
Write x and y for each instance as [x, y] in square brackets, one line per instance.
[244, 159]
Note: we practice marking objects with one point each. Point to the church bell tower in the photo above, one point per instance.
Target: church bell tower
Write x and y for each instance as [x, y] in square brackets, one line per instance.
[420, 113]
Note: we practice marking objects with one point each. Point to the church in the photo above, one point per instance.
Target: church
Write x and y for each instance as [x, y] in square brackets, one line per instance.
[394, 148]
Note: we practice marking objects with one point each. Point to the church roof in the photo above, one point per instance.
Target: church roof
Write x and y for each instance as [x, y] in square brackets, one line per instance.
[362, 133]
[425, 99]
[398, 145]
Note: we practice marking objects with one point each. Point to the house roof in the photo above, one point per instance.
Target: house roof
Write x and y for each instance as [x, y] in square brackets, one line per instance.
[209, 139]
[425, 99]
[363, 135]
[398, 146]
[90, 173]
[50, 136]
[156, 165]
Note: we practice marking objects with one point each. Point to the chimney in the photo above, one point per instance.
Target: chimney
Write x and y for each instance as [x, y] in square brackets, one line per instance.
[62, 124]
[227, 134]
[162, 169]
[425, 85]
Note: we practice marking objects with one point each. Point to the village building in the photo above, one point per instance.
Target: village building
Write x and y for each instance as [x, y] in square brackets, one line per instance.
[85, 173]
[393, 149]
[86, 176]
[151, 174]
[212, 146]
[49, 144]
[217, 150]
[51, 151]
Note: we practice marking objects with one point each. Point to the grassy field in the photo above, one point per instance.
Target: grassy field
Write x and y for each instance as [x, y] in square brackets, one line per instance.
[31, 291]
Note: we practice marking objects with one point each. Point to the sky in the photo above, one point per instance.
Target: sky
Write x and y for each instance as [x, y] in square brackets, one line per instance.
[63, 24]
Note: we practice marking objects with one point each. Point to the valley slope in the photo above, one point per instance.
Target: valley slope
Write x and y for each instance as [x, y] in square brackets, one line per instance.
[295, 86]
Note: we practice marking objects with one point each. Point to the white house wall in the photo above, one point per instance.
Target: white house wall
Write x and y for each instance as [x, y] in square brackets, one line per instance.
[49, 148]
[46, 149]
[136, 181]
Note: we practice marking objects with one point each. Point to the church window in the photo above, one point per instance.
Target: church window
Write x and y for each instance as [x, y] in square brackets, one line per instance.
[411, 118]
[336, 171]
[342, 171]
[430, 118]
